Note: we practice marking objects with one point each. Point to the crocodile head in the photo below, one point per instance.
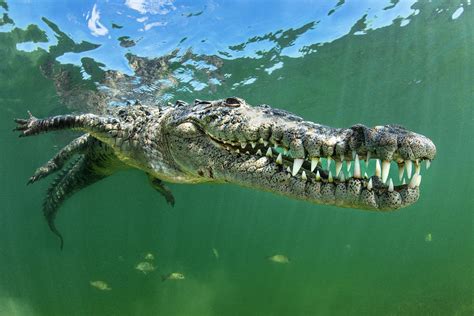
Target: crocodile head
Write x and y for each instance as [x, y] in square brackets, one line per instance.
[273, 150]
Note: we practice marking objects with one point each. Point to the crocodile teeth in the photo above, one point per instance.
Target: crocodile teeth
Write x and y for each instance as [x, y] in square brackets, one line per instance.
[314, 163]
[369, 185]
[378, 170]
[318, 176]
[237, 150]
[418, 180]
[285, 151]
[356, 167]
[348, 165]
[259, 152]
[413, 181]
[269, 152]
[409, 165]
[303, 175]
[338, 167]
[297, 163]
[330, 179]
[367, 159]
[417, 168]
[288, 169]
[342, 178]
[401, 168]
[265, 143]
[243, 145]
[253, 144]
[365, 175]
[404, 182]
[279, 159]
[385, 170]
[329, 162]
[428, 164]
[390, 185]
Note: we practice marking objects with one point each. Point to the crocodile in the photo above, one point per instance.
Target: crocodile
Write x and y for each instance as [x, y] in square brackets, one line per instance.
[230, 141]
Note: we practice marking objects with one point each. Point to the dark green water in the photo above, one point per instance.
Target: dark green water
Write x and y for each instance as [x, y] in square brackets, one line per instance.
[343, 261]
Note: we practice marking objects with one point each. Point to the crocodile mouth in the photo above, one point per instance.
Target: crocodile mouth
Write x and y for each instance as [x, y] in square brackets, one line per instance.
[339, 177]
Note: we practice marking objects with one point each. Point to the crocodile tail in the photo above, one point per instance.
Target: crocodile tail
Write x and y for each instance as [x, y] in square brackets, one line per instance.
[74, 177]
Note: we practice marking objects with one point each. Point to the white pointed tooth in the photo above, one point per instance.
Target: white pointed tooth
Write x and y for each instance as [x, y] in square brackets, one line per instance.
[409, 165]
[318, 176]
[342, 178]
[253, 144]
[243, 145]
[314, 163]
[428, 164]
[367, 159]
[329, 162]
[279, 159]
[348, 165]
[285, 151]
[413, 181]
[369, 185]
[260, 140]
[378, 169]
[237, 150]
[259, 152]
[401, 168]
[390, 185]
[365, 175]
[265, 143]
[269, 152]
[297, 163]
[418, 180]
[417, 168]
[338, 167]
[288, 169]
[303, 175]
[404, 181]
[356, 167]
[247, 152]
[385, 170]
[330, 179]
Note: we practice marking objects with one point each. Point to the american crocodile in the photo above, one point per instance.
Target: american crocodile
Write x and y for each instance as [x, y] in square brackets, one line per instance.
[229, 141]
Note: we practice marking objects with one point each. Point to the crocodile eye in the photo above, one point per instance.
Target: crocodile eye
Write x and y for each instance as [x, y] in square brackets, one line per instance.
[233, 102]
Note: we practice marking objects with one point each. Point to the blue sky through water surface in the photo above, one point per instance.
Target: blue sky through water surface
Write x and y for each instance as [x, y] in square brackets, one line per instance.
[208, 27]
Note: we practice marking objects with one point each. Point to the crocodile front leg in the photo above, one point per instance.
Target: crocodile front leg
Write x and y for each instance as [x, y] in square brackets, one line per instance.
[97, 126]
[158, 185]
[77, 146]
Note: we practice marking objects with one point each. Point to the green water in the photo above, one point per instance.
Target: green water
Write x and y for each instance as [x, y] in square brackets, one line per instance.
[343, 261]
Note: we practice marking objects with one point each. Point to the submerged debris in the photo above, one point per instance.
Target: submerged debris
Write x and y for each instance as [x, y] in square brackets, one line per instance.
[145, 267]
[215, 253]
[173, 276]
[149, 256]
[101, 285]
[428, 237]
[279, 258]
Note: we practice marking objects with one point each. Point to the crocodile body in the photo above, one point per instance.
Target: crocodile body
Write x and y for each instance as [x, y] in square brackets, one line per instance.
[229, 141]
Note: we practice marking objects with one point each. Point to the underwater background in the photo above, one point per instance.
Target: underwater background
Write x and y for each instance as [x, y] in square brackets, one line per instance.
[336, 63]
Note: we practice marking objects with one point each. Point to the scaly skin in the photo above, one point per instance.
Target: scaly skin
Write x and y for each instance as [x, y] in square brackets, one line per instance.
[228, 141]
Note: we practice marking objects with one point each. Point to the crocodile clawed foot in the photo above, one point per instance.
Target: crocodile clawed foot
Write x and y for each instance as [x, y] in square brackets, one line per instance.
[42, 172]
[28, 127]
